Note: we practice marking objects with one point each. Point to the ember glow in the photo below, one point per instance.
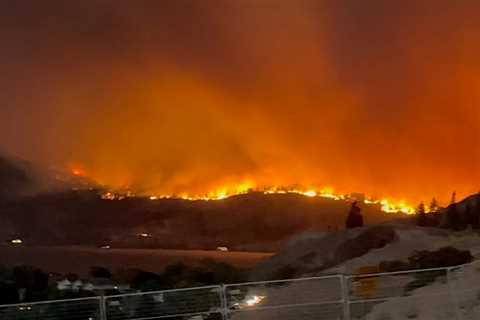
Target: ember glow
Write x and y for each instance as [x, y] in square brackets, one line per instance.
[77, 170]
[208, 99]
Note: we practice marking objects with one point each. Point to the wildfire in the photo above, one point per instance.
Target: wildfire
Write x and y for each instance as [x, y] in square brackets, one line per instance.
[385, 205]
[311, 193]
[393, 207]
[76, 169]
[78, 172]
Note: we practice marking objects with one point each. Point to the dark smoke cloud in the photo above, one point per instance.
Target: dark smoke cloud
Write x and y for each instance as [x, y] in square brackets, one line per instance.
[171, 96]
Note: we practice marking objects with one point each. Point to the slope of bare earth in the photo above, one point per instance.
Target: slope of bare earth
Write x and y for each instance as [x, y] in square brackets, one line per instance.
[395, 297]
[347, 251]
[457, 298]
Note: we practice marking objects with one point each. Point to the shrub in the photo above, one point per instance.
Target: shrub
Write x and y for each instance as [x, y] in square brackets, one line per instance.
[100, 272]
[393, 266]
[444, 257]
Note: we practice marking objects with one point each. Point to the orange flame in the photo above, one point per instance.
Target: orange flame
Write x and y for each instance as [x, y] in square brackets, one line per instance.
[386, 205]
[77, 170]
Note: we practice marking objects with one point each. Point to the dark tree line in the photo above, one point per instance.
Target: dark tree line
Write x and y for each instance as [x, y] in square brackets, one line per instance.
[458, 220]
[454, 217]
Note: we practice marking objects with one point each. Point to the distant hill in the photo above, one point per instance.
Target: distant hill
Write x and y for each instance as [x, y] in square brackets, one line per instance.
[48, 207]
[14, 178]
[471, 204]
[20, 178]
[251, 222]
[471, 201]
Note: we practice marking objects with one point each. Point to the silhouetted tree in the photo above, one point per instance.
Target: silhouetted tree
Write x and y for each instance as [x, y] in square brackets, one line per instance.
[435, 215]
[148, 281]
[33, 282]
[23, 276]
[355, 218]
[422, 219]
[100, 272]
[72, 277]
[8, 293]
[433, 206]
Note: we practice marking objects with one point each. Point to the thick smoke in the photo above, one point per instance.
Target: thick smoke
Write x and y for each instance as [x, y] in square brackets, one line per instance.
[172, 96]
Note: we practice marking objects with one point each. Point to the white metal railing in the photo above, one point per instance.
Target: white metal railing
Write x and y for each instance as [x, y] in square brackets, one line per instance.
[438, 293]
[186, 303]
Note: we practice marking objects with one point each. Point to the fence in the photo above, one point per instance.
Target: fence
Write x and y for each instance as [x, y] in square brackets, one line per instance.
[440, 293]
[72, 309]
[309, 298]
[191, 303]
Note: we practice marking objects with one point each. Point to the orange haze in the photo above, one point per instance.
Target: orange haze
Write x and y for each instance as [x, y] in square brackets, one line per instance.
[172, 97]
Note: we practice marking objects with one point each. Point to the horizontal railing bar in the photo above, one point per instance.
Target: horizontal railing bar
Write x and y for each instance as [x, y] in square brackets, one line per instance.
[173, 315]
[162, 291]
[371, 275]
[335, 302]
[355, 301]
[49, 301]
[338, 276]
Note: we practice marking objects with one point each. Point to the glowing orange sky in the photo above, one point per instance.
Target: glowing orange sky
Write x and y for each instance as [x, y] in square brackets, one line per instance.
[185, 96]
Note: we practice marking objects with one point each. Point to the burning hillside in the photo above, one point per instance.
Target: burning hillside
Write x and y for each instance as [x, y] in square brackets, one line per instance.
[387, 206]
[224, 192]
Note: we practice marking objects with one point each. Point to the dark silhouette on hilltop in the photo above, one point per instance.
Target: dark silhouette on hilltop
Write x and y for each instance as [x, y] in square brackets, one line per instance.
[355, 218]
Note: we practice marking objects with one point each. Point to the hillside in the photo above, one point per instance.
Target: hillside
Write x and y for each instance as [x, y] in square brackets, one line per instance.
[248, 222]
[14, 179]
[20, 178]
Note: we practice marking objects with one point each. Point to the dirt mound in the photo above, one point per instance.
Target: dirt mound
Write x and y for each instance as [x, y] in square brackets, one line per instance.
[373, 238]
[315, 255]
[349, 250]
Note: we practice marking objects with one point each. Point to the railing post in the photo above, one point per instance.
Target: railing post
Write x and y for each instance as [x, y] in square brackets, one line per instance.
[345, 297]
[223, 297]
[103, 307]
